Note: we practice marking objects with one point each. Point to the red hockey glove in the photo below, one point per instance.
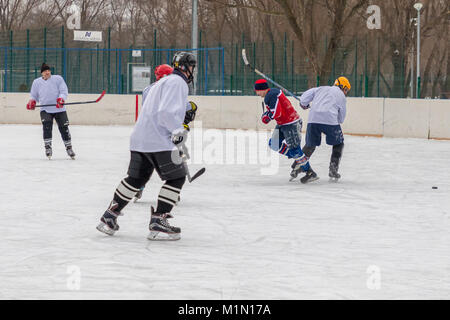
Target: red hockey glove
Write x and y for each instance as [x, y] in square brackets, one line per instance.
[265, 118]
[31, 104]
[59, 102]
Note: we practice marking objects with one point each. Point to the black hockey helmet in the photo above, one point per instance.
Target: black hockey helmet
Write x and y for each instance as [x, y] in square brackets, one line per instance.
[182, 61]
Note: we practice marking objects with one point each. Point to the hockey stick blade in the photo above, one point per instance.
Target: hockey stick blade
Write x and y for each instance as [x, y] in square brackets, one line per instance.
[101, 96]
[72, 103]
[198, 174]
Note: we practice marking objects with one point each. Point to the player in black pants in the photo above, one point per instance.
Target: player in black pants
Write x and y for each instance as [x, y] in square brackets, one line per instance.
[152, 144]
[51, 90]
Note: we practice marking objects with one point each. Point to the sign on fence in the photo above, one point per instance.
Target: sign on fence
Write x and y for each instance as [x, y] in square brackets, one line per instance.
[141, 77]
[87, 36]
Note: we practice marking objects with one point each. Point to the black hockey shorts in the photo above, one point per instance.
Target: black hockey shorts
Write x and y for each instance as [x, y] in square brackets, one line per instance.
[61, 119]
[142, 165]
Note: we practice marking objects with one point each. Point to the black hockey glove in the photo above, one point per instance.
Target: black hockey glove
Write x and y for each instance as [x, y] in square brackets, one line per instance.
[191, 110]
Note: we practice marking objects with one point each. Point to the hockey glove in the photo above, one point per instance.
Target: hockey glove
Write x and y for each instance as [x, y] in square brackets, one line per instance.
[191, 110]
[59, 102]
[179, 135]
[265, 117]
[31, 104]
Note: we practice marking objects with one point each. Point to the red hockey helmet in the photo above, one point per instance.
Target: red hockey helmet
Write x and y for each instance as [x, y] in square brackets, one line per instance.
[162, 70]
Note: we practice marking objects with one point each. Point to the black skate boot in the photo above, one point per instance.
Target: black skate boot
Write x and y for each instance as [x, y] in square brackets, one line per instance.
[108, 222]
[70, 152]
[296, 169]
[309, 176]
[333, 173]
[48, 151]
[160, 229]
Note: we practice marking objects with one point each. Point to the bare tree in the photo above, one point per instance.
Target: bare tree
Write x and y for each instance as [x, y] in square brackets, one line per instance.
[14, 13]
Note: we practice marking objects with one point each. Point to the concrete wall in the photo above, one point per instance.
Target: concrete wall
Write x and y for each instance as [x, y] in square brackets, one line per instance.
[365, 116]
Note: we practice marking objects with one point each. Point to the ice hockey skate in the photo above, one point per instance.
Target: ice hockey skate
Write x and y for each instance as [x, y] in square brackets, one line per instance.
[108, 222]
[310, 176]
[333, 173]
[160, 229]
[70, 153]
[296, 169]
[48, 152]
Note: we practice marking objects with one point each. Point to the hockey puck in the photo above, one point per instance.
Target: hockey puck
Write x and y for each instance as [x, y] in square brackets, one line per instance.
[433, 187]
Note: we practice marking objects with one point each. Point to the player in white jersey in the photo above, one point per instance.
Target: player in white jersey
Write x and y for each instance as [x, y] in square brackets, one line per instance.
[51, 89]
[327, 106]
[160, 72]
[153, 143]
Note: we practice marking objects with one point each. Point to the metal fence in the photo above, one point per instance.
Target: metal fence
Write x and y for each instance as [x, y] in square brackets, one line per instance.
[374, 67]
[92, 70]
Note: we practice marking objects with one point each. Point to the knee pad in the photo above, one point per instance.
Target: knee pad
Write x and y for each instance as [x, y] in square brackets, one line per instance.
[308, 151]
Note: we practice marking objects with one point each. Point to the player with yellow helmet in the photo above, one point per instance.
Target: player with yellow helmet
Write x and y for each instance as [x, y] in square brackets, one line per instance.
[327, 106]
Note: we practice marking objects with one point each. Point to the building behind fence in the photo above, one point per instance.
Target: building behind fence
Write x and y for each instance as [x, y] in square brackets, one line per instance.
[90, 67]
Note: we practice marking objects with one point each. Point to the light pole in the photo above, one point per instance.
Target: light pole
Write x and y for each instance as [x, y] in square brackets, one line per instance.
[195, 39]
[418, 6]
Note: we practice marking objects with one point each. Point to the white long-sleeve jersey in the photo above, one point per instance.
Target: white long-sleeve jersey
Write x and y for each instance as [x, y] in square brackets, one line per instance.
[162, 113]
[328, 105]
[47, 91]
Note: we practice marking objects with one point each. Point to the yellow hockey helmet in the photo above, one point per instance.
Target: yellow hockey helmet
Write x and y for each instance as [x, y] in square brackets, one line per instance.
[342, 82]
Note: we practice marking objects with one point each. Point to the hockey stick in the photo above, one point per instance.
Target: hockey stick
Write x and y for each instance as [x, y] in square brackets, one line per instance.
[69, 103]
[185, 156]
[244, 57]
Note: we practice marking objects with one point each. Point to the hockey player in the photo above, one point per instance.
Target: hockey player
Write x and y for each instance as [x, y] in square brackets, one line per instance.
[327, 111]
[51, 89]
[160, 72]
[287, 135]
[153, 147]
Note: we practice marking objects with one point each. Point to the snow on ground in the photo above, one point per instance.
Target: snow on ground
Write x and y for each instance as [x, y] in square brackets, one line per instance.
[382, 232]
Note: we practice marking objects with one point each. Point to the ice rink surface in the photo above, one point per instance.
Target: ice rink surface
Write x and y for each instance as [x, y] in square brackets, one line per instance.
[381, 232]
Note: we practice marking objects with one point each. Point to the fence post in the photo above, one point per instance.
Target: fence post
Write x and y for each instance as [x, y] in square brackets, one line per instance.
[5, 79]
[119, 73]
[27, 76]
[356, 68]
[201, 70]
[206, 72]
[62, 52]
[273, 60]
[366, 80]
[378, 68]
[223, 71]
[108, 71]
[292, 67]
[11, 44]
[45, 45]
[254, 62]
[285, 59]
[154, 48]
